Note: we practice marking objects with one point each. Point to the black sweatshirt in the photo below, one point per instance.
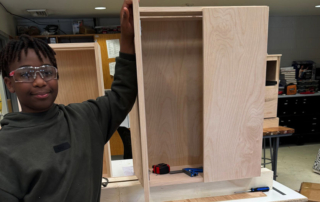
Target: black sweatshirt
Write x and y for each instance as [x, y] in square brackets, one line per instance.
[56, 156]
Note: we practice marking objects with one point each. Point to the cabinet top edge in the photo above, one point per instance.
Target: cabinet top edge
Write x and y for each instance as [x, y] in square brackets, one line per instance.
[186, 9]
[73, 46]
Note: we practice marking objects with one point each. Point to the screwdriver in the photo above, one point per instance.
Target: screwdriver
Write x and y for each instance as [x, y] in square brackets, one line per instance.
[262, 189]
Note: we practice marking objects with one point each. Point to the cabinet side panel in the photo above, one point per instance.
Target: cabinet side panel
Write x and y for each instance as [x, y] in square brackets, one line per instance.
[235, 50]
[173, 72]
[141, 98]
[136, 142]
[81, 86]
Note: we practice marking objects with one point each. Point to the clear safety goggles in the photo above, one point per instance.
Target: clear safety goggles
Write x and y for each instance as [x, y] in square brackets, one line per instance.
[29, 73]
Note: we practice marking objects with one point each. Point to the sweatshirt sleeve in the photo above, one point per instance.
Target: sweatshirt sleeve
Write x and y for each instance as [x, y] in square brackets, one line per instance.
[110, 110]
[5, 196]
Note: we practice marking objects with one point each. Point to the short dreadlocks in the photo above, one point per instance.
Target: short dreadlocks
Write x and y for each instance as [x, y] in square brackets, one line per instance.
[14, 48]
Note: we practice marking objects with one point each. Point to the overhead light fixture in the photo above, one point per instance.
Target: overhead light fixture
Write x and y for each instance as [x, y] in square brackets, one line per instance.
[100, 8]
[317, 6]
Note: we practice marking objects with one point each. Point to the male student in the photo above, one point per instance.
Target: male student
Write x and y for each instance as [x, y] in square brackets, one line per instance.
[50, 152]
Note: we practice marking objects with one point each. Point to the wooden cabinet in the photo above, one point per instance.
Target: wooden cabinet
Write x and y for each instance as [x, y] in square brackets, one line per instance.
[80, 79]
[201, 79]
[271, 100]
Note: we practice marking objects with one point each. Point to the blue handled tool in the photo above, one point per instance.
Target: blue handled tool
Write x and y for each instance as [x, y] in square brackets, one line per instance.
[262, 189]
[192, 172]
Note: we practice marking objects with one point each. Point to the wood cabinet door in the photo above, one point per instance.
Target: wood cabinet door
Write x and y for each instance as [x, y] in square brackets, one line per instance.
[235, 49]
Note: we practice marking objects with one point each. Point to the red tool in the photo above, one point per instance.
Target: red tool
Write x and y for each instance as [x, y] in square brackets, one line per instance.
[161, 168]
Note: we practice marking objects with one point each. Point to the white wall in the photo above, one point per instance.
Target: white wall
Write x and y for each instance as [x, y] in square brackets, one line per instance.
[7, 23]
[295, 37]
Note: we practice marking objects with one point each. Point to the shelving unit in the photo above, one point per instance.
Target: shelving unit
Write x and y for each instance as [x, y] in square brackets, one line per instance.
[70, 38]
[201, 92]
[271, 99]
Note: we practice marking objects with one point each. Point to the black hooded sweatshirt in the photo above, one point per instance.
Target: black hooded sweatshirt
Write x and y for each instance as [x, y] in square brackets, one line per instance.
[56, 156]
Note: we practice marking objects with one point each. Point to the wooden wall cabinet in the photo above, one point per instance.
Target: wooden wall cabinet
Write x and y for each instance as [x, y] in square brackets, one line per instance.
[273, 70]
[201, 92]
[80, 79]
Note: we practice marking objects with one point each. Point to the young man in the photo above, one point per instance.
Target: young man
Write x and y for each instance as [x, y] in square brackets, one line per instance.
[52, 152]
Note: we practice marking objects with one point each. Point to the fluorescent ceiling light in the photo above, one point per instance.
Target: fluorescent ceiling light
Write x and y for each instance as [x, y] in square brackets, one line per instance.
[317, 6]
[100, 8]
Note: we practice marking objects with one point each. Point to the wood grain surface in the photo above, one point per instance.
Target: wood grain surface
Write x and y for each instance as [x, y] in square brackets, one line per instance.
[78, 76]
[271, 101]
[170, 11]
[277, 131]
[136, 142]
[270, 122]
[226, 198]
[173, 73]
[141, 99]
[235, 50]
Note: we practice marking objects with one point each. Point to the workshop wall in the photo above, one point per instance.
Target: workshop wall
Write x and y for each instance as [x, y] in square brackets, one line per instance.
[65, 24]
[295, 37]
[7, 23]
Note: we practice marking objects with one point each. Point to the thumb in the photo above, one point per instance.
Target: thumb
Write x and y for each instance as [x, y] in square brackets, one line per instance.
[125, 15]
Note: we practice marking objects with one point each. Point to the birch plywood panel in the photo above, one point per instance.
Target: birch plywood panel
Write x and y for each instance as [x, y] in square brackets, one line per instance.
[271, 101]
[235, 49]
[136, 142]
[173, 72]
[78, 76]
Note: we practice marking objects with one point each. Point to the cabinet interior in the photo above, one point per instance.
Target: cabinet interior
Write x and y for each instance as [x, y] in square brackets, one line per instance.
[172, 53]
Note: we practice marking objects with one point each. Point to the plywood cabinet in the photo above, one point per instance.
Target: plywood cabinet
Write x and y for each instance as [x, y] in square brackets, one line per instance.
[201, 80]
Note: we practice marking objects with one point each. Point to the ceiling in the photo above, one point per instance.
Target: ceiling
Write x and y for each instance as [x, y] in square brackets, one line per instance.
[85, 8]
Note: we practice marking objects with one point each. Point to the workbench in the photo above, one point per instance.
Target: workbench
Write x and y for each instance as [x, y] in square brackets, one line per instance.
[133, 186]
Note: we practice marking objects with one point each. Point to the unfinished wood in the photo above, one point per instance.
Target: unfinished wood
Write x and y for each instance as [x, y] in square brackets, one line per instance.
[270, 122]
[171, 179]
[170, 11]
[171, 18]
[273, 57]
[226, 197]
[271, 101]
[136, 142]
[141, 98]
[272, 71]
[73, 46]
[277, 131]
[63, 36]
[173, 74]
[77, 76]
[235, 44]
[132, 191]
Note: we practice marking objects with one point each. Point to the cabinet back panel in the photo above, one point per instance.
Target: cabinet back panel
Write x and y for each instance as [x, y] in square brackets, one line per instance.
[78, 76]
[173, 73]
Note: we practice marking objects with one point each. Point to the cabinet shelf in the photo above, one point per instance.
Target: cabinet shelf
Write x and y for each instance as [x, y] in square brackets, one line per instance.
[172, 179]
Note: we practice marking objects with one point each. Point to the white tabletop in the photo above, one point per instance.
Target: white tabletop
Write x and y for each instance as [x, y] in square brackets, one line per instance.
[124, 168]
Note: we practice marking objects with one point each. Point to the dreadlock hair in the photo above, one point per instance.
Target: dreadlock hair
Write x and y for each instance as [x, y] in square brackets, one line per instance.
[14, 48]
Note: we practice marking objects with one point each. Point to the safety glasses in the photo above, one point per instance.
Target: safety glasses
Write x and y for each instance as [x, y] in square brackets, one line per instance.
[29, 73]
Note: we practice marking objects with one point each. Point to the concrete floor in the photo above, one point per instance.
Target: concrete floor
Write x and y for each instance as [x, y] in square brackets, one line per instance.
[295, 165]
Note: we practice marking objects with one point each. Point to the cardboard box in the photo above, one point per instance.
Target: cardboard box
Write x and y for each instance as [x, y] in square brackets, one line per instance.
[311, 191]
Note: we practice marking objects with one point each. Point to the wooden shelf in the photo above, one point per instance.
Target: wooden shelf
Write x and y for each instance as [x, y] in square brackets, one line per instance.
[172, 179]
[63, 36]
